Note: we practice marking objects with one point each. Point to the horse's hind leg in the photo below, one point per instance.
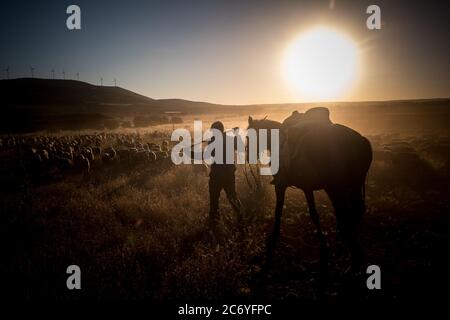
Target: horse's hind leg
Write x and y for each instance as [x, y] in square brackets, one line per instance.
[349, 207]
[315, 218]
[357, 208]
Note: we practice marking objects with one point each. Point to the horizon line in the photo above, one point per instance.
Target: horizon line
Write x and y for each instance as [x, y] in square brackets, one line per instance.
[237, 105]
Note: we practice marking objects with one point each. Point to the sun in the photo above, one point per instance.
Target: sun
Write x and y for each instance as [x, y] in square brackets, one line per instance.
[320, 64]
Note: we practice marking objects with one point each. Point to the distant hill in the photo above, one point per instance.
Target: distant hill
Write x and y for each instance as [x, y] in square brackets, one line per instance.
[30, 91]
[30, 104]
[48, 96]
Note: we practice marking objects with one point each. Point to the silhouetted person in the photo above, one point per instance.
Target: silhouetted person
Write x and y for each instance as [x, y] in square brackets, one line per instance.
[222, 176]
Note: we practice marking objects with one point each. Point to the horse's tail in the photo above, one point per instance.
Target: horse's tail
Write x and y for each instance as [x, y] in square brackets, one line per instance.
[368, 162]
[363, 189]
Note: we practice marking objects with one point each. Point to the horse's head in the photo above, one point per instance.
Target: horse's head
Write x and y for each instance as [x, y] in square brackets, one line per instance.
[253, 123]
[262, 123]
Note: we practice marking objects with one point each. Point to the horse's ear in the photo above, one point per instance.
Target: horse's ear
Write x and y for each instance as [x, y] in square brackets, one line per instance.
[265, 117]
[250, 120]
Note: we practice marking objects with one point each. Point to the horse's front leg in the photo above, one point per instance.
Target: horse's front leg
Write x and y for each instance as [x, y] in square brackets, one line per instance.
[280, 191]
[273, 237]
[271, 241]
[315, 218]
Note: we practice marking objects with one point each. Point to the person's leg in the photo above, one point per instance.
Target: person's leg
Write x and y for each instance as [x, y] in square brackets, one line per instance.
[214, 194]
[230, 190]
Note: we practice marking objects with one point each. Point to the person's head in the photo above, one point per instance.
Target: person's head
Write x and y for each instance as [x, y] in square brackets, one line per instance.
[218, 125]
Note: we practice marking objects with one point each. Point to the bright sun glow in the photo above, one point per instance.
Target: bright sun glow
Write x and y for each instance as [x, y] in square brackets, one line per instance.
[320, 64]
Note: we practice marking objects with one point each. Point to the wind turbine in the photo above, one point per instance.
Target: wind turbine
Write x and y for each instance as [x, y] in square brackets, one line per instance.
[64, 74]
[101, 81]
[32, 71]
[115, 82]
[78, 76]
[53, 74]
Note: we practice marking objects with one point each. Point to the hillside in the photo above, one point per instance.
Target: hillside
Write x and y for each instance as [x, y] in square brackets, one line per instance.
[30, 104]
[30, 91]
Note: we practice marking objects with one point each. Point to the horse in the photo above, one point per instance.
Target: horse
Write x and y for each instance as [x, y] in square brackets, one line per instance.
[316, 154]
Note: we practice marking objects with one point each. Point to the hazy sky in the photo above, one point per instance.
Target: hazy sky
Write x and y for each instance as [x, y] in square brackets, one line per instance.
[225, 51]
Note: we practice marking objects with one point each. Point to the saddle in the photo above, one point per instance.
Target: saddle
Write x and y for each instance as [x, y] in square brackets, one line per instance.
[292, 129]
[317, 115]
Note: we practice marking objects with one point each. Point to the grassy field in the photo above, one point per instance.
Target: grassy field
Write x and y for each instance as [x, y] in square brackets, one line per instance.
[140, 232]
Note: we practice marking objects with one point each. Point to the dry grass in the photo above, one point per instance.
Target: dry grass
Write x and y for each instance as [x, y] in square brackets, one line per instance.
[141, 233]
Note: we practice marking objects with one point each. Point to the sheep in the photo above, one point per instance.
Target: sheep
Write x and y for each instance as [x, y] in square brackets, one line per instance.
[111, 152]
[64, 164]
[124, 155]
[165, 146]
[151, 156]
[107, 158]
[154, 147]
[44, 155]
[161, 155]
[87, 153]
[82, 164]
[72, 153]
[96, 151]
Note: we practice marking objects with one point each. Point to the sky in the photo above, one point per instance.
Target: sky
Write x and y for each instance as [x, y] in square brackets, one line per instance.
[227, 52]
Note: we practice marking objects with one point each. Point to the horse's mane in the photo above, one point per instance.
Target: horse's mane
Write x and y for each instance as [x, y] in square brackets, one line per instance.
[267, 124]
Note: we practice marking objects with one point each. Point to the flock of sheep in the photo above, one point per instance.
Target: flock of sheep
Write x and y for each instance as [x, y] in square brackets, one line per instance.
[45, 155]
[42, 154]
